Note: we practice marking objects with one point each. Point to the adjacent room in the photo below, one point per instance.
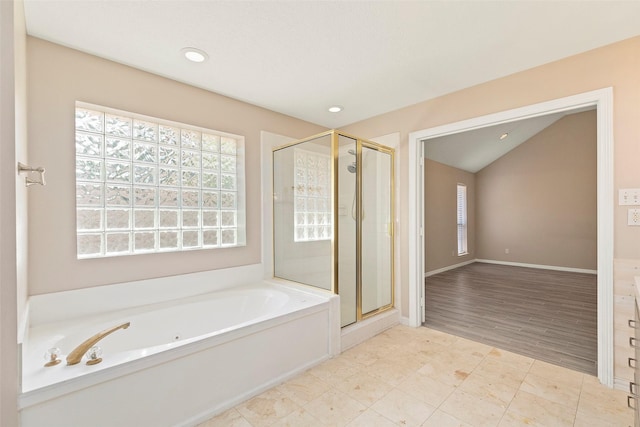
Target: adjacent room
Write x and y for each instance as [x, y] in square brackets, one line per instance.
[511, 237]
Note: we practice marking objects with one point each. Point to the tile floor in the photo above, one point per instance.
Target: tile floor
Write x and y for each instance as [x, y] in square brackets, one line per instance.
[423, 377]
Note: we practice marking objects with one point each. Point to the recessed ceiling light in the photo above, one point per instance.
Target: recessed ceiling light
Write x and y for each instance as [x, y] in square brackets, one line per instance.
[194, 55]
[503, 136]
[335, 109]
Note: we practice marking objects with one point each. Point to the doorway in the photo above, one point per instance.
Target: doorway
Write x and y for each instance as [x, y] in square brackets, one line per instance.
[603, 101]
[530, 224]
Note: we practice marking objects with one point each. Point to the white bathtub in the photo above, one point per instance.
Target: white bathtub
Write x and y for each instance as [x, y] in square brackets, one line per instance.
[180, 362]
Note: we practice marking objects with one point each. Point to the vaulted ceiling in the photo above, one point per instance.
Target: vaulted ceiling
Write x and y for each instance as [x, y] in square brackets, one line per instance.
[473, 150]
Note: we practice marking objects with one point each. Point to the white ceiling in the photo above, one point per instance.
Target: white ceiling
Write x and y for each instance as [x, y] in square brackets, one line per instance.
[474, 150]
[300, 57]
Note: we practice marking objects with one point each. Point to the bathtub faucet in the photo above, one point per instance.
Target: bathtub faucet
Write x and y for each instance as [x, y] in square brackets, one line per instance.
[76, 355]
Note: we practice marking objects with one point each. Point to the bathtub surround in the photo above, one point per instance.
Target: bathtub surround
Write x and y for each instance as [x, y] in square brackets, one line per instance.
[213, 348]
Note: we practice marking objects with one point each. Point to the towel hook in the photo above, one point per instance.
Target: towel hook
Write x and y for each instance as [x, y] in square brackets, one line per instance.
[28, 169]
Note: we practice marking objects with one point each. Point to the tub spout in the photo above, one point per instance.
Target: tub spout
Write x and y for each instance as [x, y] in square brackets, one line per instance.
[76, 355]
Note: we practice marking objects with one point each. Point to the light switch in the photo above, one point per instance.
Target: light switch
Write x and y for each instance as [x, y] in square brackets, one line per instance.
[634, 217]
[629, 196]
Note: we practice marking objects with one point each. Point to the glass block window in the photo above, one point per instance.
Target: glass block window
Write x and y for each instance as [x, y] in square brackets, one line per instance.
[312, 196]
[149, 185]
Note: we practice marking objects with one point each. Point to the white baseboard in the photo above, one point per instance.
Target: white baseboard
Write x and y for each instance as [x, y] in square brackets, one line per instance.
[540, 266]
[450, 267]
[404, 321]
[514, 264]
[621, 384]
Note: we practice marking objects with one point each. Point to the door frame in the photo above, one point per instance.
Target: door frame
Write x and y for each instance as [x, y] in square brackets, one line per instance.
[602, 99]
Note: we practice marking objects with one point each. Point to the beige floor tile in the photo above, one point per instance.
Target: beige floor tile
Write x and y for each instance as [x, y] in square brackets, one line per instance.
[303, 388]
[267, 408]
[364, 388]
[389, 371]
[371, 418]
[496, 369]
[423, 340]
[492, 389]
[467, 383]
[299, 418]
[335, 408]
[429, 350]
[467, 347]
[438, 337]
[230, 418]
[450, 368]
[512, 419]
[529, 409]
[583, 420]
[401, 333]
[564, 390]
[403, 409]
[365, 354]
[336, 370]
[544, 369]
[389, 339]
[442, 419]
[518, 361]
[598, 402]
[426, 389]
[409, 358]
[472, 409]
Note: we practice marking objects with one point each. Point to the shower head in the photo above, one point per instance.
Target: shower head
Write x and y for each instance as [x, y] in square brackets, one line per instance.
[352, 167]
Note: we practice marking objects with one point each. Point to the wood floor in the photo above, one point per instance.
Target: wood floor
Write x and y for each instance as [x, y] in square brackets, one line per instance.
[544, 314]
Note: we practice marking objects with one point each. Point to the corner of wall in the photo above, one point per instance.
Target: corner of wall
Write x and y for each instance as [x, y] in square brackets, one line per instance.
[22, 236]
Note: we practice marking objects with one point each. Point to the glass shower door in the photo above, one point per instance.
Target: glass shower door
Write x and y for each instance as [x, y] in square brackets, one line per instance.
[347, 229]
[376, 229]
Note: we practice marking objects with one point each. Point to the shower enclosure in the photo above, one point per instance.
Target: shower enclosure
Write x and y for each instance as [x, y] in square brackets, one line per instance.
[333, 219]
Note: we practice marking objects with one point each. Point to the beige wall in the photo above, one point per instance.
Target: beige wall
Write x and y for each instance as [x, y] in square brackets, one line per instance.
[59, 76]
[440, 206]
[12, 201]
[616, 65]
[539, 200]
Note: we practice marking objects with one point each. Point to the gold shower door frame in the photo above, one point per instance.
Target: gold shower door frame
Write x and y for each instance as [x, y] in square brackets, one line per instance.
[360, 143]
